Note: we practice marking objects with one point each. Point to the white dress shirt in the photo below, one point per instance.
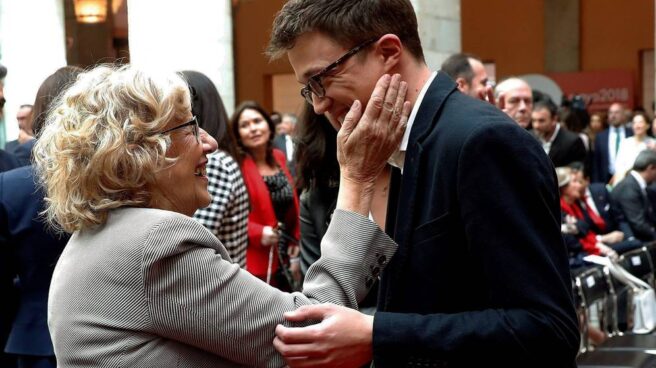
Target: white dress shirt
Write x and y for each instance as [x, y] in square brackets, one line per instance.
[398, 158]
[612, 153]
[546, 145]
[641, 181]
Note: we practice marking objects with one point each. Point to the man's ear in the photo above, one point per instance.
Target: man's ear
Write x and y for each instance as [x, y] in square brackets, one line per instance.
[390, 48]
[462, 84]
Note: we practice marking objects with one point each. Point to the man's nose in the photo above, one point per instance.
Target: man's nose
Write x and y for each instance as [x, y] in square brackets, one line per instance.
[321, 104]
[523, 105]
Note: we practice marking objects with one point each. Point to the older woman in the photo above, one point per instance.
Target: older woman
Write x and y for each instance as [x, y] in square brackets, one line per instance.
[577, 234]
[140, 283]
[274, 204]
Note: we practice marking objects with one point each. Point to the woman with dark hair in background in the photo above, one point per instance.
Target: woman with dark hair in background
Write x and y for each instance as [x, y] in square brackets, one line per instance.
[273, 223]
[318, 180]
[29, 247]
[227, 215]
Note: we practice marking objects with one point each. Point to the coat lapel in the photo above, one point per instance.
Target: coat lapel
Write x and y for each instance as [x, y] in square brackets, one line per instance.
[401, 207]
[425, 121]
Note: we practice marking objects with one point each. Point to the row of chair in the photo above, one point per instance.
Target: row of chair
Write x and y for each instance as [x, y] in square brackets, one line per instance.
[596, 289]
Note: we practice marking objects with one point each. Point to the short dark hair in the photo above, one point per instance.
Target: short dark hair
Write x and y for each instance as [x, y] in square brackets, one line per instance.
[644, 159]
[546, 104]
[3, 71]
[349, 22]
[458, 66]
[233, 124]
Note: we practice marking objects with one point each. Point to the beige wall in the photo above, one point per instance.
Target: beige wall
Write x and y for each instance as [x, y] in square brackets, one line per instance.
[508, 32]
[253, 71]
[613, 34]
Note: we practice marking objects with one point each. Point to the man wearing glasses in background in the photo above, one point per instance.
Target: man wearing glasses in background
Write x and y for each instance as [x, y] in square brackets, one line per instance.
[481, 275]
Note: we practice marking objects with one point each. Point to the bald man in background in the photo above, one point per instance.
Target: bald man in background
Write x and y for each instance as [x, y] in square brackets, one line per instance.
[469, 74]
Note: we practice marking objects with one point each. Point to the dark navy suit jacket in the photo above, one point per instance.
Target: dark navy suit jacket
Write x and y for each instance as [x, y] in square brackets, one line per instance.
[601, 159]
[636, 207]
[33, 251]
[613, 216]
[566, 148]
[280, 142]
[481, 276]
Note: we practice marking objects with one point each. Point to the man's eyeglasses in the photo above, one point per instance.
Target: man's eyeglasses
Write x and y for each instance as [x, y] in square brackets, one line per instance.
[314, 85]
[193, 123]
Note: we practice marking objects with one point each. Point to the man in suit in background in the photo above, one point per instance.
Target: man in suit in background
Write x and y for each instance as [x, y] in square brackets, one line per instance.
[461, 163]
[562, 146]
[25, 133]
[469, 74]
[30, 245]
[515, 97]
[607, 144]
[284, 141]
[631, 196]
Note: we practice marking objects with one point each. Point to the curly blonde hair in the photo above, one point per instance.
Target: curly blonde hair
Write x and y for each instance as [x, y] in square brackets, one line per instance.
[100, 147]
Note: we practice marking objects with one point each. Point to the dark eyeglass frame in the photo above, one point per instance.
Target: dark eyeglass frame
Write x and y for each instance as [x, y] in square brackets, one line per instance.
[314, 85]
[193, 122]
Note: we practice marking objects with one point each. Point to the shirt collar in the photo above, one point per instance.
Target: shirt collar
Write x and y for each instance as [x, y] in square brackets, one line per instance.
[641, 181]
[398, 157]
[413, 114]
[555, 133]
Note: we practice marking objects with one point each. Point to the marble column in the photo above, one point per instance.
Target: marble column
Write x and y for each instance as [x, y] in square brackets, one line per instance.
[439, 29]
[173, 35]
[32, 46]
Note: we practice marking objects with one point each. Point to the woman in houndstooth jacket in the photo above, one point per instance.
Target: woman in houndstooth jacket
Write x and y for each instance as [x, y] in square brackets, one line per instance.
[227, 215]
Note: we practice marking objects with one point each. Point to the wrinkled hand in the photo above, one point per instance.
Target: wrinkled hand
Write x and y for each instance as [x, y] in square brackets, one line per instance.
[342, 339]
[269, 236]
[613, 237]
[366, 141]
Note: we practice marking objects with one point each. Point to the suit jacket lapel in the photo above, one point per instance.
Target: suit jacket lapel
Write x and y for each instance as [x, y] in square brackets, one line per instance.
[441, 87]
[402, 213]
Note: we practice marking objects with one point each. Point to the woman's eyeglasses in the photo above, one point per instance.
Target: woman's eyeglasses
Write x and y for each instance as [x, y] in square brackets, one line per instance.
[193, 123]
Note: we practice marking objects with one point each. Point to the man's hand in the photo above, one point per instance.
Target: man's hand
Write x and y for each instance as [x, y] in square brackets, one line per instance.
[342, 339]
[487, 94]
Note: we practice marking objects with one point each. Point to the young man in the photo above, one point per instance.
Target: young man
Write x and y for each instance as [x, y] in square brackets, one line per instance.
[562, 146]
[481, 275]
